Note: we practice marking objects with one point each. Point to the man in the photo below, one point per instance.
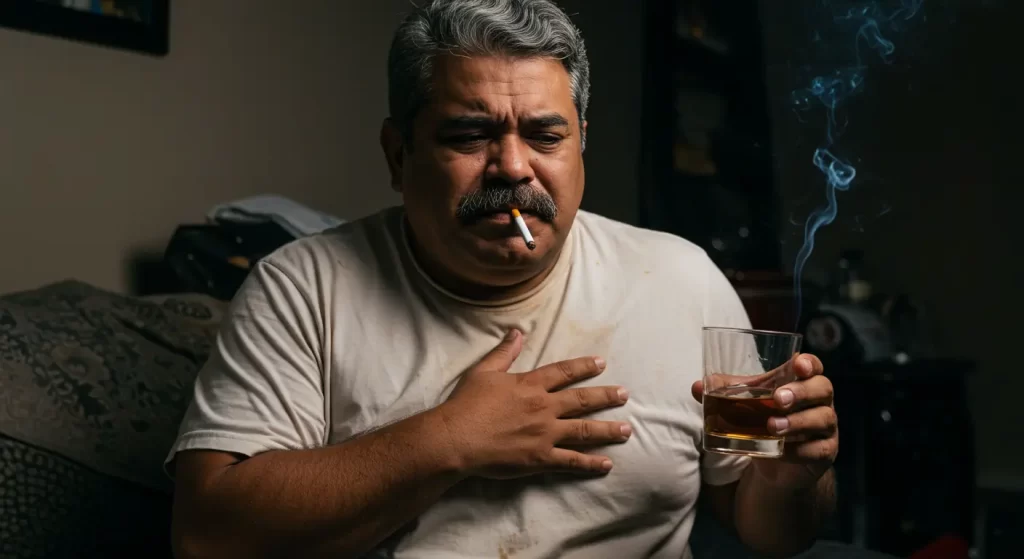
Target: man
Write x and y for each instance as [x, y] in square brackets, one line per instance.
[360, 400]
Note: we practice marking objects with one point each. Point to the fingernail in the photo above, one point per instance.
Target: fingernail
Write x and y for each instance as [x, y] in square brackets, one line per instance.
[805, 361]
[511, 335]
[599, 362]
[786, 396]
[780, 424]
[606, 465]
[626, 430]
[623, 394]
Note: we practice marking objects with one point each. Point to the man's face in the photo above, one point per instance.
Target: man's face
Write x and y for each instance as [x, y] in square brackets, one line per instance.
[498, 132]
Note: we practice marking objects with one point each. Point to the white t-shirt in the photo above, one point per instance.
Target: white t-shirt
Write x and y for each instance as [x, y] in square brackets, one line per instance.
[336, 334]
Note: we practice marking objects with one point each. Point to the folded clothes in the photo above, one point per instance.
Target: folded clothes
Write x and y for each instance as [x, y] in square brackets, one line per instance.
[296, 218]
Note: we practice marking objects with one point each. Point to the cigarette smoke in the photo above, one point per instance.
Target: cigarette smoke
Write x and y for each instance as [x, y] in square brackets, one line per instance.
[864, 25]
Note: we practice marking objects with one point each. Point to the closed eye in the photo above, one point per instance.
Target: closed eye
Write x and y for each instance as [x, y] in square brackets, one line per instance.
[547, 139]
[465, 139]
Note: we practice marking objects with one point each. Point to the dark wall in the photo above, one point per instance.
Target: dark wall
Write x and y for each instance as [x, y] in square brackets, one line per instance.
[613, 32]
[938, 137]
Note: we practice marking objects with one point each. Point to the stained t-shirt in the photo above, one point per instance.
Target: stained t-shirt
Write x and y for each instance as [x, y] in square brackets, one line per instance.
[340, 333]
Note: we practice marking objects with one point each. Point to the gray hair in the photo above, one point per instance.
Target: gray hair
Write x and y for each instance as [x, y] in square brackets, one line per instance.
[521, 28]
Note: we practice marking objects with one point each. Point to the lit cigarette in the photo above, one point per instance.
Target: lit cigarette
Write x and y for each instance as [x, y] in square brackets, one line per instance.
[523, 229]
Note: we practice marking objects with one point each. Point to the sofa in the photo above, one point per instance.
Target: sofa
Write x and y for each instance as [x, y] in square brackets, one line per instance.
[92, 387]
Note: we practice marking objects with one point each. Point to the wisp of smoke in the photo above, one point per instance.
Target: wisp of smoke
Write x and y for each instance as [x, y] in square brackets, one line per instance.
[865, 23]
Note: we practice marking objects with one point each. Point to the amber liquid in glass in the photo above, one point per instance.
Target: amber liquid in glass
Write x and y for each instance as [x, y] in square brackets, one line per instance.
[740, 412]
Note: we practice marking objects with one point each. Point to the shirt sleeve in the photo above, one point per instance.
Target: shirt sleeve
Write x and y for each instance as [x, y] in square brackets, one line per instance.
[262, 387]
[722, 307]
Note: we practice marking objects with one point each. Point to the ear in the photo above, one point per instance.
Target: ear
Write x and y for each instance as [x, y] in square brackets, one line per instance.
[583, 136]
[394, 150]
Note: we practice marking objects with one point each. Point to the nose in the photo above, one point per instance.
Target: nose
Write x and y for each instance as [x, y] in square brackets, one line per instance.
[510, 161]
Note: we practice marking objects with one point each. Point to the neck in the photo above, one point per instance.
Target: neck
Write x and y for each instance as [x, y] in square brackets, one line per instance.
[484, 292]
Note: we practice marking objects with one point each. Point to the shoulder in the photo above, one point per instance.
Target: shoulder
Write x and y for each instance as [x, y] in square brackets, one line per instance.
[665, 269]
[315, 276]
[354, 250]
[645, 250]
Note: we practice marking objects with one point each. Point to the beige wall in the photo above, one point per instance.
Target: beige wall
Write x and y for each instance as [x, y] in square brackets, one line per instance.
[103, 152]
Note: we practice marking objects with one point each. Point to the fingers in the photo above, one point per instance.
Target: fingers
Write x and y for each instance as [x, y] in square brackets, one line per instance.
[805, 366]
[820, 450]
[562, 374]
[800, 367]
[572, 402]
[813, 423]
[590, 432]
[504, 354]
[814, 391]
[586, 432]
[811, 427]
[571, 461]
[697, 390]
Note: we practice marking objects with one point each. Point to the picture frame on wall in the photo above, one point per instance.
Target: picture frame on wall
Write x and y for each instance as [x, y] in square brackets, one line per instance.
[136, 25]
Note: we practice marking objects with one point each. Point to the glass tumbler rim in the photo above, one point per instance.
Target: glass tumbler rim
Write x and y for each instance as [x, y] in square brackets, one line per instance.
[730, 329]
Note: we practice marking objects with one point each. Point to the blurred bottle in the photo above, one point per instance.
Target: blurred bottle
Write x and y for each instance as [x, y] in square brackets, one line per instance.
[845, 329]
[851, 286]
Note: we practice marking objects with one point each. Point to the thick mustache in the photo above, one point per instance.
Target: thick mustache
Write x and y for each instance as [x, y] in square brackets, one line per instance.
[488, 201]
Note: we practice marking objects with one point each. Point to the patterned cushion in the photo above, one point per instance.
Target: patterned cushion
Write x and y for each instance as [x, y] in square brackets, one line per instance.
[99, 378]
[93, 386]
[54, 508]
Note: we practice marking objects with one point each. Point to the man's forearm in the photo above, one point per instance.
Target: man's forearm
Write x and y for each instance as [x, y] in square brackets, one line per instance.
[780, 523]
[337, 501]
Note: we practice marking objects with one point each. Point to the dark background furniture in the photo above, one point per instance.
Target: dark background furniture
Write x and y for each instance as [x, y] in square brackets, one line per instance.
[906, 468]
[706, 170]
